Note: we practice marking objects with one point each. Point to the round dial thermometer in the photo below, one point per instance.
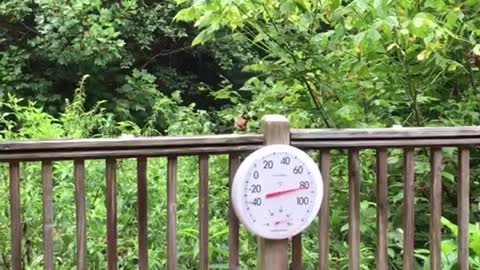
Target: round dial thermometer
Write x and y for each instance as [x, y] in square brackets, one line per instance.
[277, 191]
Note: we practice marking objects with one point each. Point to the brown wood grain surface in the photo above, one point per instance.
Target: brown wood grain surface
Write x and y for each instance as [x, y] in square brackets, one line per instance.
[408, 208]
[382, 133]
[139, 142]
[172, 213]
[81, 213]
[354, 209]
[124, 153]
[382, 209]
[233, 223]
[112, 255]
[463, 194]
[376, 143]
[436, 209]
[203, 211]
[324, 214]
[142, 202]
[297, 252]
[15, 216]
[48, 225]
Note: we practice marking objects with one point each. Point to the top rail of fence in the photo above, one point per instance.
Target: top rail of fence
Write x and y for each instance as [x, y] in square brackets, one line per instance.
[385, 137]
[64, 149]
[124, 148]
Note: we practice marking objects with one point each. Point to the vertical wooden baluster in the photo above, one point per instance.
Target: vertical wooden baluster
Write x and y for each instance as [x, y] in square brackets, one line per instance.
[111, 214]
[81, 214]
[382, 209]
[297, 252]
[16, 225]
[408, 208]
[324, 213]
[142, 198]
[203, 212]
[47, 195]
[172, 214]
[463, 194]
[354, 209]
[233, 238]
[436, 209]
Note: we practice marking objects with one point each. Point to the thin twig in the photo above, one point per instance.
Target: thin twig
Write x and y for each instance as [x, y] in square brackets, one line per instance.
[165, 53]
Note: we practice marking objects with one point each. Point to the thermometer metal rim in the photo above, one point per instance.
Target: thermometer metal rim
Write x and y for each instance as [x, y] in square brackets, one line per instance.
[238, 189]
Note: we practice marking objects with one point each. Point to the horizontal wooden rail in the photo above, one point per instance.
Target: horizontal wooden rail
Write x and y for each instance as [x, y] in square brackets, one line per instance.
[385, 133]
[385, 137]
[221, 144]
[127, 148]
[388, 143]
[131, 143]
[130, 153]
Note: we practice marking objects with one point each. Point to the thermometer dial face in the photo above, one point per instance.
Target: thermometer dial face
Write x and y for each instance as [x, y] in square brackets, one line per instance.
[277, 191]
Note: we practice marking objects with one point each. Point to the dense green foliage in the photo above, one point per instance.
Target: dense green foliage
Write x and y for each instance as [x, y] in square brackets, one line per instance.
[46, 46]
[328, 63]
[344, 64]
[354, 63]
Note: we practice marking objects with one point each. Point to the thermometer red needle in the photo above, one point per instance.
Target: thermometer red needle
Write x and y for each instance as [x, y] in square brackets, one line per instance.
[283, 192]
[279, 222]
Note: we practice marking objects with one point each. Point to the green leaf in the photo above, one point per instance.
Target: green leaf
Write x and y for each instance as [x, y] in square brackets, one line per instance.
[362, 5]
[453, 228]
[449, 246]
[186, 15]
[288, 7]
[436, 4]
[422, 25]
[306, 20]
[448, 176]
[259, 37]
[204, 36]
[475, 239]
[373, 35]
[359, 37]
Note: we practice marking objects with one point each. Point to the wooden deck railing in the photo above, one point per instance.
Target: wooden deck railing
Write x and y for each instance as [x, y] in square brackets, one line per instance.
[355, 140]
[324, 140]
[111, 150]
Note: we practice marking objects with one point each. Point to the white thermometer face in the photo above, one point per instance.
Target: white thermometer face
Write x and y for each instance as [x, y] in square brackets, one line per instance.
[277, 191]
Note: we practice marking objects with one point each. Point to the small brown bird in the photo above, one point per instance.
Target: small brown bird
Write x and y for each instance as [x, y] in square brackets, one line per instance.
[474, 59]
[241, 123]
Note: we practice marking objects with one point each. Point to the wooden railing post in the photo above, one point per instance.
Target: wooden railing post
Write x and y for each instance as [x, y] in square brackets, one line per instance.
[273, 254]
